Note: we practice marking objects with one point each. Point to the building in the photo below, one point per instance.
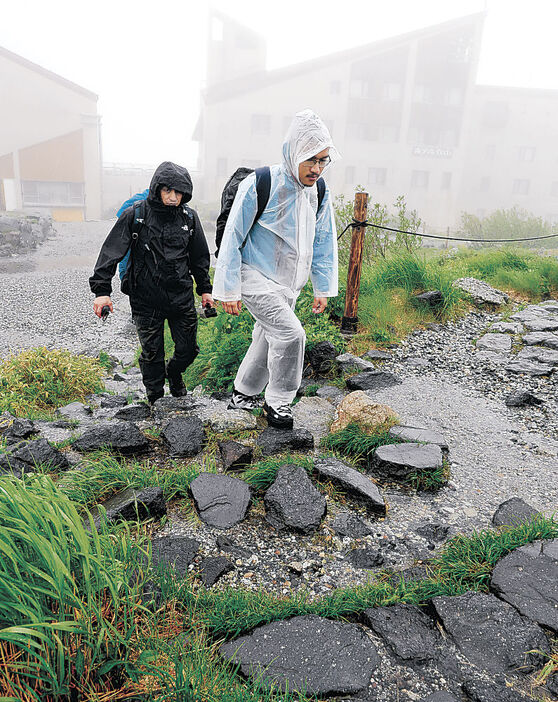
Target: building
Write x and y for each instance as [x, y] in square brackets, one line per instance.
[406, 114]
[50, 143]
[121, 181]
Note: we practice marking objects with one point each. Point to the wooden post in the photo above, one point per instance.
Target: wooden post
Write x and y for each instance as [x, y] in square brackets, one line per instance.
[350, 318]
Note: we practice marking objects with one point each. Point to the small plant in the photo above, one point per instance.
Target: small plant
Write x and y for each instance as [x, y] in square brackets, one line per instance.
[431, 480]
[261, 475]
[353, 441]
[105, 361]
[40, 380]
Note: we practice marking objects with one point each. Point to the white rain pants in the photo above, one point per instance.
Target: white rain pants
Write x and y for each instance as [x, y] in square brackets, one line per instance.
[276, 354]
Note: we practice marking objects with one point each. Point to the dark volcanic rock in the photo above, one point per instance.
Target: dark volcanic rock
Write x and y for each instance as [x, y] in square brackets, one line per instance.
[372, 380]
[132, 505]
[351, 480]
[213, 568]
[184, 435]
[440, 697]
[527, 578]
[175, 551]
[225, 544]
[292, 502]
[365, 558]
[483, 691]
[432, 298]
[407, 630]
[134, 413]
[489, 632]
[25, 457]
[112, 401]
[522, 398]
[377, 355]
[272, 441]
[348, 524]
[400, 461]
[17, 429]
[434, 531]
[529, 368]
[235, 456]
[513, 512]
[320, 656]
[119, 436]
[321, 356]
[222, 501]
[75, 410]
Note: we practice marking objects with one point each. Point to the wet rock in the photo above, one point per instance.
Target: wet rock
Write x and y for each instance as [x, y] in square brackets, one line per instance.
[434, 532]
[406, 629]
[372, 380]
[292, 502]
[420, 436]
[331, 394]
[541, 324]
[529, 368]
[134, 413]
[432, 298]
[184, 435]
[112, 401]
[527, 578]
[119, 436]
[377, 355]
[175, 551]
[538, 354]
[310, 653]
[401, 461]
[485, 691]
[522, 398]
[513, 512]
[25, 457]
[221, 501]
[273, 441]
[348, 524]
[506, 328]
[16, 429]
[132, 505]
[213, 568]
[75, 410]
[169, 406]
[225, 544]
[235, 456]
[547, 339]
[321, 356]
[359, 408]
[365, 558]
[481, 292]
[347, 363]
[355, 483]
[499, 343]
[489, 632]
[440, 697]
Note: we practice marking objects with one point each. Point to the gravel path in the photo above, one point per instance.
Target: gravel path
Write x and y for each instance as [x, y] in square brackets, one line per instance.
[47, 301]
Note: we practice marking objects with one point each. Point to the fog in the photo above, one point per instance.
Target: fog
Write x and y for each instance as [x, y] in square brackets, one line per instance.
[213, 87]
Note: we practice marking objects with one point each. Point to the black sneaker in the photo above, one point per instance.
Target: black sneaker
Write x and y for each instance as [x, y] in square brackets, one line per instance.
[280, 417]
[241, 401]
[176, 384]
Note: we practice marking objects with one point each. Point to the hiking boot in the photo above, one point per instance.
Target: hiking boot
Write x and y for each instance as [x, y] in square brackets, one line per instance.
[241, 401]
[176, 384]
[152, 398]
[280, 417]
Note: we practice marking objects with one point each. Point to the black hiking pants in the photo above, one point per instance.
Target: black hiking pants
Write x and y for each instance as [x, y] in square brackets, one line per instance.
[150, 324]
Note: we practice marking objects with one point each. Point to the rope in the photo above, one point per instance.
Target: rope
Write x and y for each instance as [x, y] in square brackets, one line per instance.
[366, 223]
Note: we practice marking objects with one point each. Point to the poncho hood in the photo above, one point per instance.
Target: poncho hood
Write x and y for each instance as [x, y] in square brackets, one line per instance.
[307, 136]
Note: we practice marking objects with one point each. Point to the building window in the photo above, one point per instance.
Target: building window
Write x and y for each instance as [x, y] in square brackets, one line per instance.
[484, 184]
[52, 193]
[446, 180]
[554, 189]
[490, 152]
[419, 179]
[335, 87]
[521, 186]
[261, 125]
[221, 167]
[377, 176]
[350, 175]
[392, 92]
[527, 153]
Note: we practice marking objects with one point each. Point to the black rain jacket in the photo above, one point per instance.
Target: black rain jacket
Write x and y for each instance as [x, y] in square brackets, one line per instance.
[170, 248]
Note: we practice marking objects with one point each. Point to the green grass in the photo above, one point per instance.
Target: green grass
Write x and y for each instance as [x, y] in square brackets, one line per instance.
[352, 441]
[261, 475]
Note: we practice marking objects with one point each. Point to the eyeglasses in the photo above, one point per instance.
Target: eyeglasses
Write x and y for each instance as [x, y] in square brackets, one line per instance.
[321, 162]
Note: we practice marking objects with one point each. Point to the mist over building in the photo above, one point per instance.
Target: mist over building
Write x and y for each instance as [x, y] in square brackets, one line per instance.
[406, 114]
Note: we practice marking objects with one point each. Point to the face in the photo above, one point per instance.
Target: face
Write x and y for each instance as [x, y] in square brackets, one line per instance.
[170, 197]
[309, 171]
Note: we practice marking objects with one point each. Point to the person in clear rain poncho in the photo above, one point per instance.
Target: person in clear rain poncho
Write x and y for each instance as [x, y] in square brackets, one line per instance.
[265, 264]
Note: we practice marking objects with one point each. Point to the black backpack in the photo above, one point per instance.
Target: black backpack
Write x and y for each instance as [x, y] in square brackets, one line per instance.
[263, 187]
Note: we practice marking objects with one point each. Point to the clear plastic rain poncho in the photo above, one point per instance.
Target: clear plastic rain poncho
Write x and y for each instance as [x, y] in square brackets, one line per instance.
[288, 243]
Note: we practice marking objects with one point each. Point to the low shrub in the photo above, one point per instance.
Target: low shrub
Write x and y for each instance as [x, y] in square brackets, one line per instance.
[40, 380]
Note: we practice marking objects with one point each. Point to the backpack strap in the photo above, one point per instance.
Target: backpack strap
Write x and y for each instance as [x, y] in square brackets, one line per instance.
[320, 184]
[263, 188]
[139, 218]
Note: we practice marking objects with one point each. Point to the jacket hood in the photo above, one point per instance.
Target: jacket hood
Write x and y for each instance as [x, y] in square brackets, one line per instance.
[173, 176]
[307, 136]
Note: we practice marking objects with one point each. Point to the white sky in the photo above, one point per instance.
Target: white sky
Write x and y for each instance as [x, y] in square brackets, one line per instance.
[146, 60]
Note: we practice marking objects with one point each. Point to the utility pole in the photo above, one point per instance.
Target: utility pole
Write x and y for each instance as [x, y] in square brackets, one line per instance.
[350, 319]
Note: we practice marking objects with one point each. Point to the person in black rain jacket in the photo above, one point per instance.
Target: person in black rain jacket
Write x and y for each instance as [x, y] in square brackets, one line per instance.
[170, 248]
